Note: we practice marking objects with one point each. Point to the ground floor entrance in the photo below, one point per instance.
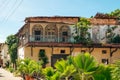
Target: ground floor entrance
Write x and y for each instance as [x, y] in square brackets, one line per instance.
[56, 57]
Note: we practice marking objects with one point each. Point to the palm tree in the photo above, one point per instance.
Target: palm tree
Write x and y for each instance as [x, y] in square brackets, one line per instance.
[86, 66]
[104, 73]
[51, 74]
[65, 69]
[37, 69]
[29, 68]
[23, 66]
[116, 71]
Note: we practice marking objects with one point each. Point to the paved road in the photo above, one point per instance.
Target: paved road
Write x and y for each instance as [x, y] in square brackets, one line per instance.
[5, 75]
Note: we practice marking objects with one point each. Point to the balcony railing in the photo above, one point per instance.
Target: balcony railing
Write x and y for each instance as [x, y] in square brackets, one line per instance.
[36, 38]
[50, 38]
[54, 39]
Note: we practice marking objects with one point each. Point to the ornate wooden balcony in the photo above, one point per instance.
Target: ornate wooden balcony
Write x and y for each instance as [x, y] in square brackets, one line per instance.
[48, 41]
[52, 41]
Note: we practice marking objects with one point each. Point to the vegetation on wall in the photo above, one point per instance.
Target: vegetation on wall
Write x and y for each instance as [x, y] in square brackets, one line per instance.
[81, 31]
[110, 34]
[12, 42]
[43, 57]
[115, 13]
[116, 39]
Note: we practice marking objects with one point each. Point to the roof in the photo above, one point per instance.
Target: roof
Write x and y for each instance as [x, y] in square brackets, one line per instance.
[104, 16]
[63, 19]
[50, 19]
[53, 17]
[99, 21]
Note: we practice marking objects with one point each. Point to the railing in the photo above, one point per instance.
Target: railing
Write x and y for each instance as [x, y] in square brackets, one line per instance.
[36, 38]
[50, 38]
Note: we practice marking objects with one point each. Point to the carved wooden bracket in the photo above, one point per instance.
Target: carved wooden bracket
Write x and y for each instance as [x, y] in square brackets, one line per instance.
[71, 50]
[52, 47]
[91, 49]
[31, 50]
[112, 51]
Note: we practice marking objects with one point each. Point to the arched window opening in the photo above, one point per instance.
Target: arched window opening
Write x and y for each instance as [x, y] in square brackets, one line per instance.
[37, 33]
[51, 33]
[64, 34]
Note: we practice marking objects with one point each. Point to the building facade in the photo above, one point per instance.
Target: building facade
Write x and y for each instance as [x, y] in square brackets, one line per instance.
[55, 36]
[1, 61]
[4, 54]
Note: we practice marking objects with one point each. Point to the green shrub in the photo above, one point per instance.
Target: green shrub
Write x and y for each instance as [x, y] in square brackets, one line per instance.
[11, 69]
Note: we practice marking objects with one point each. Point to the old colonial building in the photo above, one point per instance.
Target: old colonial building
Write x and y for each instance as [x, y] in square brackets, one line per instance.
[4, 54]
[54, 36]
[1, 61]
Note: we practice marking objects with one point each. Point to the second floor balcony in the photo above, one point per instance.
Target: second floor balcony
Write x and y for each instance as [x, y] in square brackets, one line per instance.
[46, 39]
[56, 41]
[50, 38]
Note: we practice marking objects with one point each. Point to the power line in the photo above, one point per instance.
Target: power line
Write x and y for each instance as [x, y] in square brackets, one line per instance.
[10, 10]
[2, 3]
[17, 6]
[4, 6]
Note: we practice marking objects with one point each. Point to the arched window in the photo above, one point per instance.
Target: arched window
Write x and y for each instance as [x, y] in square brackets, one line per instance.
[51, 33]
[37, 32]
[64, 34]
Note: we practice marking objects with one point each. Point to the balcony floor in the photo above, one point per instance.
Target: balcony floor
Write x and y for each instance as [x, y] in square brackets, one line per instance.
[54, 44]
[64, 44]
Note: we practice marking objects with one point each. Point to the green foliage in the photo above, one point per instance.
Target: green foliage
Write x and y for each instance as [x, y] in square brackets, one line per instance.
[80, 67]
[104, 73]
[11, 39]
[43, 57]
[11, 69]
[29, 67]
[51, 74]
[82, 34]
[13, 53]
[109, 34]
[116, 39]
[115, 13]
[65, 69]
[12, 42]
[85, 65]
[116, 71]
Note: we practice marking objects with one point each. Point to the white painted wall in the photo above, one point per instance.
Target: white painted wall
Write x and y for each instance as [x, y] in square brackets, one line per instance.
[21, 53]
[98, 33]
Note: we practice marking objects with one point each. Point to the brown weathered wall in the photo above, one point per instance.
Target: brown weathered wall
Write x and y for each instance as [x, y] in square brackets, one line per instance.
[103, 21]
[97, 53]
[69, 20]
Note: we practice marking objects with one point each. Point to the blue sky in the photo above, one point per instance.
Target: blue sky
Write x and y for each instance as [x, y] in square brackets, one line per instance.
[13, 12]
